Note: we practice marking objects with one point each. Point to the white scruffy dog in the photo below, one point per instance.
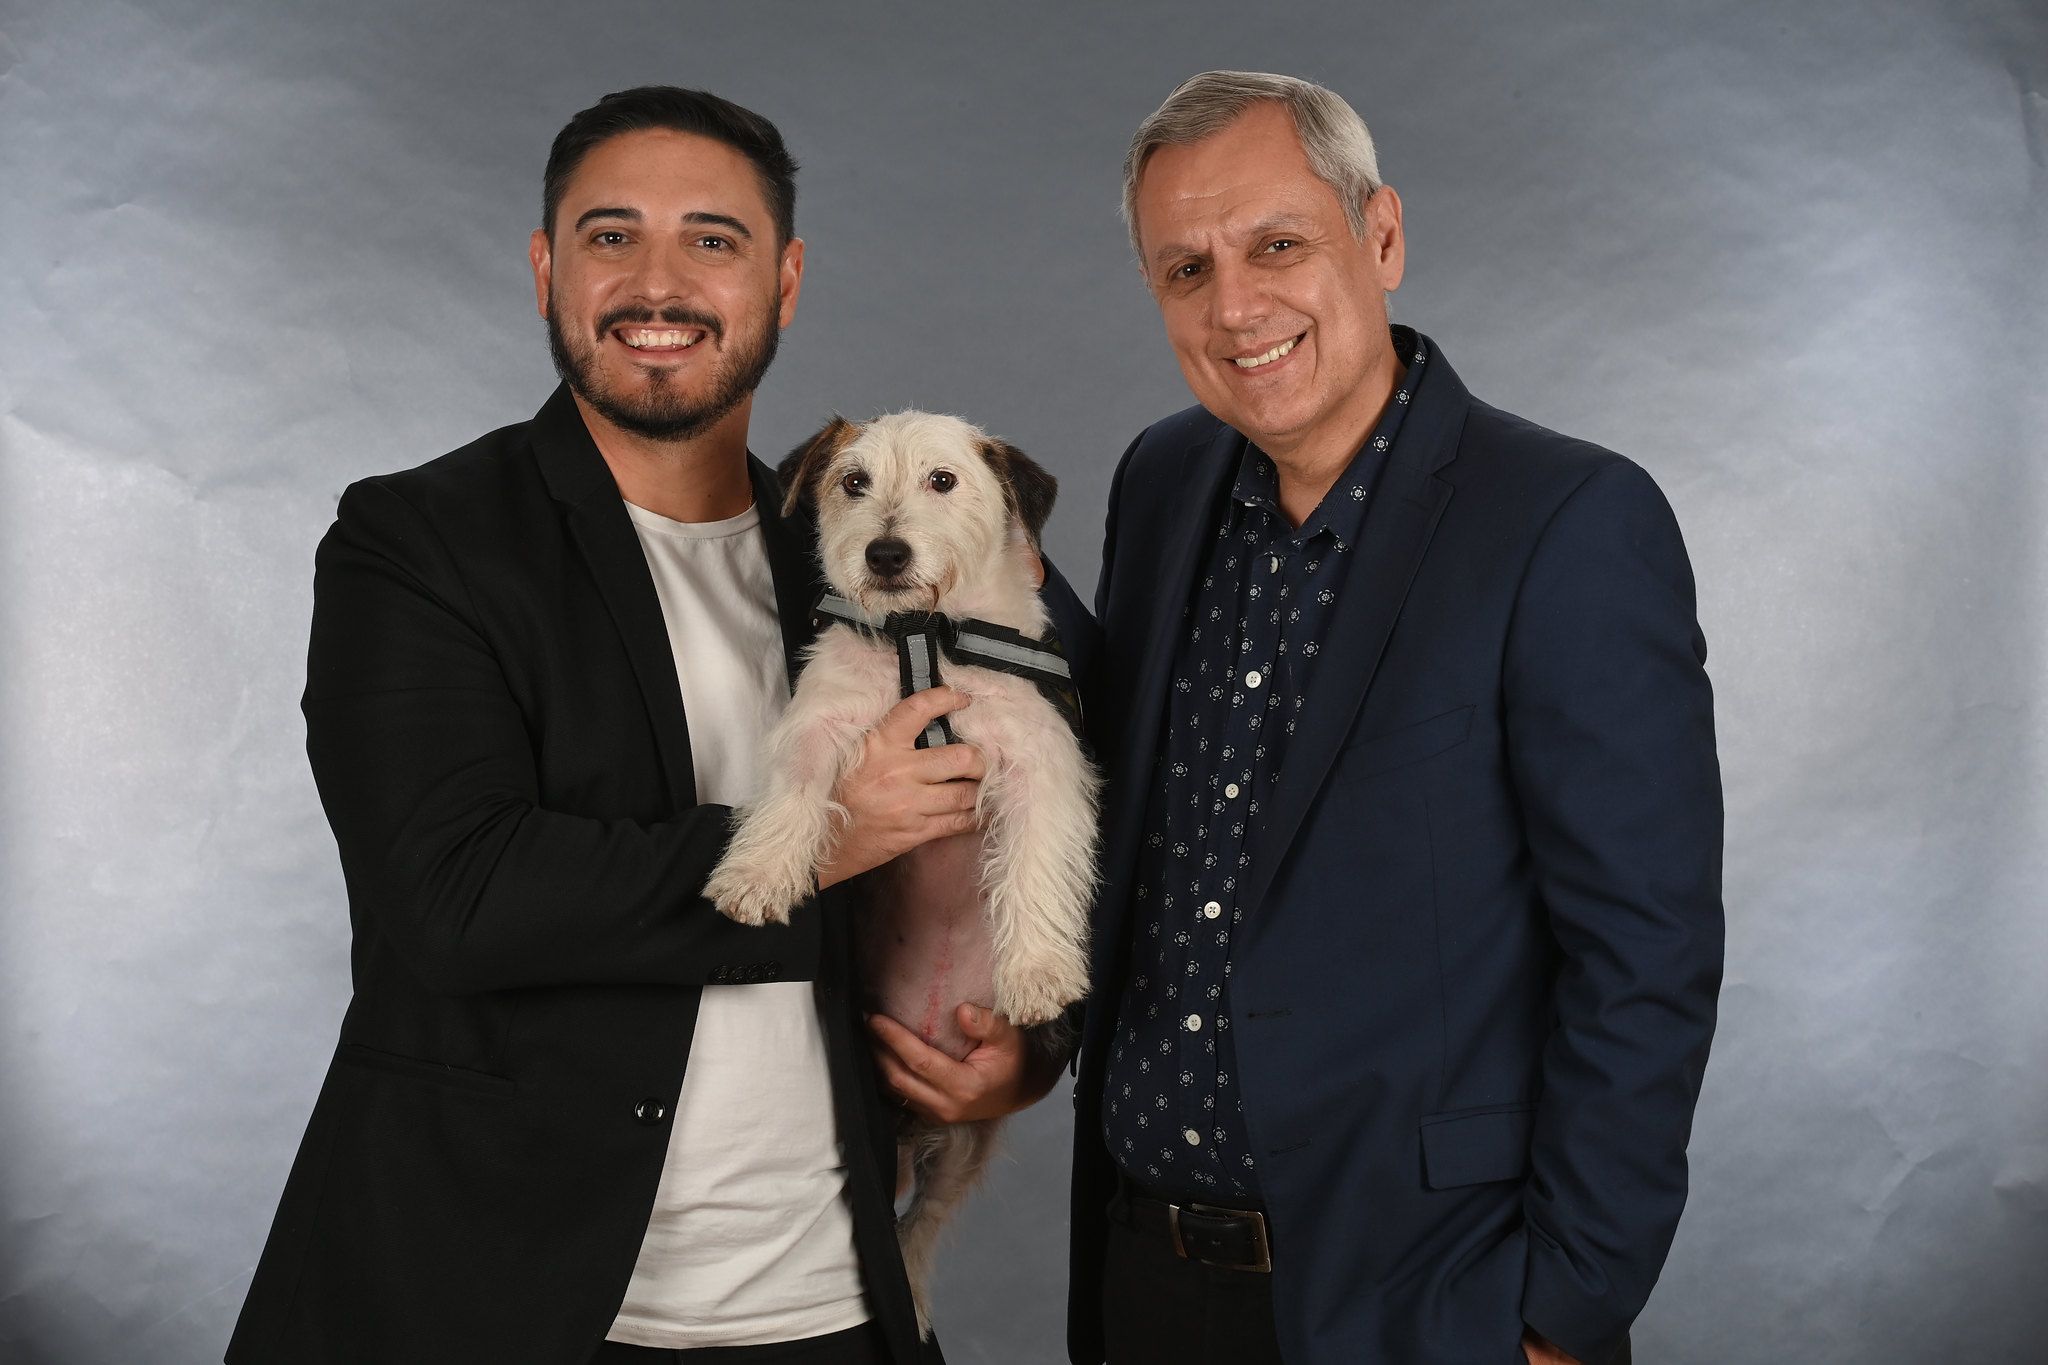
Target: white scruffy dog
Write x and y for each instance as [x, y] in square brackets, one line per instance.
[920, 513]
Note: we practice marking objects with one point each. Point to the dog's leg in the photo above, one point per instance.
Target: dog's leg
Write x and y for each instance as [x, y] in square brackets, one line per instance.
[946, 1162]
[771, 864]
[1039, 875]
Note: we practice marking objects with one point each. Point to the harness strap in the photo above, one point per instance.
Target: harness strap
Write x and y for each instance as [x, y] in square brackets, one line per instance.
[921, 638]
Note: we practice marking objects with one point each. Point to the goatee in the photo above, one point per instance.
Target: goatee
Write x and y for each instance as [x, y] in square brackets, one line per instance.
[664, 412]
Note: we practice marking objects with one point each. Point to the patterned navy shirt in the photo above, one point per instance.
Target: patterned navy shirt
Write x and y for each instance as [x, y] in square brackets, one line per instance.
[1172, 1115]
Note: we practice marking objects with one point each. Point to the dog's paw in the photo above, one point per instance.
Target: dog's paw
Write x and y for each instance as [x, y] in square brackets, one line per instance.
[753, 908]
[1027, 1001]
[750, 899]
[1035, 987]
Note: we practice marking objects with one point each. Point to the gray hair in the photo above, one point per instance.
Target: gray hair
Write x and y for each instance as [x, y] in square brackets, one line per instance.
[1335, 138]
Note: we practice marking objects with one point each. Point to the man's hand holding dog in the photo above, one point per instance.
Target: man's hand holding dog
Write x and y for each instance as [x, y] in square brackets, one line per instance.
[1001, 1075]
[900, 796]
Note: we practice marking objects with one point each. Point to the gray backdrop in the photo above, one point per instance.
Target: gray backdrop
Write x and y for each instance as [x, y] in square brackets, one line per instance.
[1789, 257]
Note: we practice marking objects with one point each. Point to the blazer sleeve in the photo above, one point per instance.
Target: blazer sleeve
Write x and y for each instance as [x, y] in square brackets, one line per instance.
[426, 770]
[1080, 637]
[1610, 736]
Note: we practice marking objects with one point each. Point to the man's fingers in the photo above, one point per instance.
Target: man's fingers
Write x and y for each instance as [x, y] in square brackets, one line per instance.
[929, 1103]
[925, 1078]
[987, 1027]
[915, 1053]
[896, 1038]
[945, 798]
[907, 718]
[950, 763]
[907, 1086]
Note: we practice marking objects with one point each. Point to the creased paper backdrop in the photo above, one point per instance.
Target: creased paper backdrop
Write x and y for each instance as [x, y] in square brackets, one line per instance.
[1789, 257]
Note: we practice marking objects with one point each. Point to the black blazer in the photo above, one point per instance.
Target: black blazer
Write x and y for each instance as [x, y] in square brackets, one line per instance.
[498, 736]
[1476, 983]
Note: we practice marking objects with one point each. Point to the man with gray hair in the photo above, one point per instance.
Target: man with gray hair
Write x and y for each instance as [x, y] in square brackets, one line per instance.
[1410, 935]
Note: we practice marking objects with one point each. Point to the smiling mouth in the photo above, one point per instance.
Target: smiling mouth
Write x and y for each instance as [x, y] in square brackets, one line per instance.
[659, 338]
[1253, 362]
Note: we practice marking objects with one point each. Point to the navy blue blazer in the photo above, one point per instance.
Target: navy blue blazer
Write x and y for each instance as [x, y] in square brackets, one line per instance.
[1475, 987]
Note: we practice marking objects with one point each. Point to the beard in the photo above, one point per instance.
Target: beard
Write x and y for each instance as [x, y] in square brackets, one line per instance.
[666, 411]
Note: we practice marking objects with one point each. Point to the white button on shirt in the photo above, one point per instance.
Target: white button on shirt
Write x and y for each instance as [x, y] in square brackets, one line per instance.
[1231, 791]
[1194, 1023]
[1254, 678]
[1212, 910]
[1194, 1138]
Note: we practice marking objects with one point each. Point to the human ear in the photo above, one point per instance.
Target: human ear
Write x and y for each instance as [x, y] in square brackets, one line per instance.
[790, 281]
[1383, 232]
[541, 253]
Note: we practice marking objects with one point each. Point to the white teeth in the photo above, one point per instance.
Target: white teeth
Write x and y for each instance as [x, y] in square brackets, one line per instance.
[639, 339]
[1282, 349]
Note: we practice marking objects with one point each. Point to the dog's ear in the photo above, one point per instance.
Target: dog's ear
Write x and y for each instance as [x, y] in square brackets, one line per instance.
[1031, 490]
[798, 473]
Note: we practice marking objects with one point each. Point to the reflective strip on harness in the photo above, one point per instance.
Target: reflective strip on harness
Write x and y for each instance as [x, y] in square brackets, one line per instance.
[918, 656]
[1040, 660]
[921, 637]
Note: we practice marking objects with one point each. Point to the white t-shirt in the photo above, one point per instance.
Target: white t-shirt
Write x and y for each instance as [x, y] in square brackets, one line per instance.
[751, 1240]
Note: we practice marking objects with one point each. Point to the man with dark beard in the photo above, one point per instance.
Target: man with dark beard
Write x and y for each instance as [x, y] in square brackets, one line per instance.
[576, 1114]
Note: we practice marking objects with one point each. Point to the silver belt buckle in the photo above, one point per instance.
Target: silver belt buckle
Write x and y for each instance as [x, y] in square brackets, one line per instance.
[1263, 1266]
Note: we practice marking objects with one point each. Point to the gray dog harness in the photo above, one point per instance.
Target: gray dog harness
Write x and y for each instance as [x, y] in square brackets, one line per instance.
[921, 638]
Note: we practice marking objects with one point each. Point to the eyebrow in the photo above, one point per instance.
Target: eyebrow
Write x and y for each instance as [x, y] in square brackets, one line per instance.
[1168, 251]
[699, 218]
[629, 215]
[702, 219]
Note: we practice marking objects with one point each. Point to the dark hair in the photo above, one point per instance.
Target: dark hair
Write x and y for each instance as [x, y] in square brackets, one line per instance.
[683, 111]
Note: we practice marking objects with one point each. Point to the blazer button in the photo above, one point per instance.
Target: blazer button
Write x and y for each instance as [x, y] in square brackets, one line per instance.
[649, 1111]
[720, 975]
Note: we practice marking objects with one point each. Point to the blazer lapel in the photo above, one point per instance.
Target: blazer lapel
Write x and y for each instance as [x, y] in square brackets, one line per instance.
[595, 517]
[1398, 526]
[1185, 526]
[792, 560]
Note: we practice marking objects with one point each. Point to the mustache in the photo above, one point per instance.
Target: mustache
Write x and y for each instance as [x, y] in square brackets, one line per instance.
[672, 316]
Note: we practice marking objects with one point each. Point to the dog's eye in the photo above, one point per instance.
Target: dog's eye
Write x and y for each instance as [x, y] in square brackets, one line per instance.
[942, 481]
[855, 484]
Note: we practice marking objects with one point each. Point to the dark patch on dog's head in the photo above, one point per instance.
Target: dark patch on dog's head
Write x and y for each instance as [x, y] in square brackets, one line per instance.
[800, 469]
[1029, 488]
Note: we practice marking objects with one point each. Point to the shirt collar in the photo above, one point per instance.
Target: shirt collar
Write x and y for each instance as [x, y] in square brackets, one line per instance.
[1342, 510]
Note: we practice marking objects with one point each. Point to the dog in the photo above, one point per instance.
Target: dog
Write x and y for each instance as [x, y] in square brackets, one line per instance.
[928, 525]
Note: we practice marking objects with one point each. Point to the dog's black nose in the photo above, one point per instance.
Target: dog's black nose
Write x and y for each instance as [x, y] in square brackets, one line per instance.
[888, 558]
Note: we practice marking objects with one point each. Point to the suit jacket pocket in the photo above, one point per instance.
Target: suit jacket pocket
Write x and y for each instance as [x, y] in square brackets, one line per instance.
[420, 1069]
[1475, 1146]
[1366, 756]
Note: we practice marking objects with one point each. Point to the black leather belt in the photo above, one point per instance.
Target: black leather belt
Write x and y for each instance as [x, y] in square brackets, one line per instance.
[1209, 1233]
